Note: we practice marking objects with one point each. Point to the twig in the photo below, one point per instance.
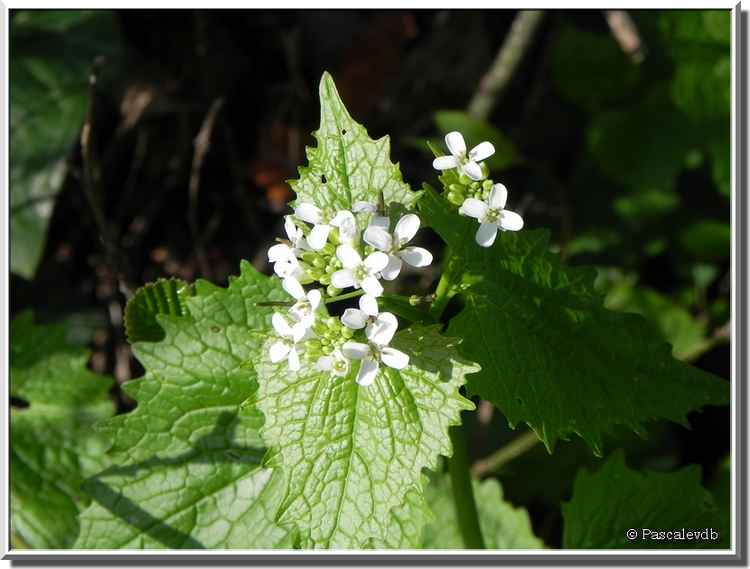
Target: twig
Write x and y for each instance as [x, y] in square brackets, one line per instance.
[626, 33]
[201, 144]
[508, 57]
[505, 454]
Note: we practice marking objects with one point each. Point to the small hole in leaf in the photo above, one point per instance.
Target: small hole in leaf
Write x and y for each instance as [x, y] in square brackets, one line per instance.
[215, 329]
[323, 178]
[343, 131]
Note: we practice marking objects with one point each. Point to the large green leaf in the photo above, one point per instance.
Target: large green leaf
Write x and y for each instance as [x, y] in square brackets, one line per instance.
[52, 445]
[51, 53]
[351, 453]
[503, 526]
[551, 354]
[187, 461]
[165, 296]
[347, 166]
[609, 503]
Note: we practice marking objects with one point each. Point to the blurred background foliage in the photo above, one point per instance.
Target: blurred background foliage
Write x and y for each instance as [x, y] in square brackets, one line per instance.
[613, 131]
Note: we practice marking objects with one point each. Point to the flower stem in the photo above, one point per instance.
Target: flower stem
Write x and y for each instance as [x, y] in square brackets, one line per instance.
[348, 295]
[504, 455]
[463, 491]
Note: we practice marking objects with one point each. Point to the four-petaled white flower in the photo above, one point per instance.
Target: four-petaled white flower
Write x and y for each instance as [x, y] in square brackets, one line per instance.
[286, 347]
[466, 163]
[284, 255]
[393, 245]
[335, 363]
[491, 215]
[358, 318]
[376, 351]
[359, 273]
[307, 303]
[323, 225]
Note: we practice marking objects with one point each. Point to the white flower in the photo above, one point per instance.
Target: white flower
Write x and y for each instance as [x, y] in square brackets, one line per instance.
[376, 351]
[491, 215]
[336, 363]
[358, 318]
[468, 164]
[307, 303]
[286, 347]
[322, 225]
[284, 255]
[367, 207]
[393, 245]
[359, 273]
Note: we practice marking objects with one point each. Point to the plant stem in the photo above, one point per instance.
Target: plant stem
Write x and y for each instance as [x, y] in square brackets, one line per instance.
[505, 454]
[348, 295]
[463, 491]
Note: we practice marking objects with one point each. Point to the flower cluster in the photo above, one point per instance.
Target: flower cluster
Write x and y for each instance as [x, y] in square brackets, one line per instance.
[477, 197]
[357, 249]
[341, 249]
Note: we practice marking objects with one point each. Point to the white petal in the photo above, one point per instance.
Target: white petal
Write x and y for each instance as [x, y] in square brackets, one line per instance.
[473, 171]
[486, 234]
[376, 262]
[371, 286]
[278, 351]
[343, 278]
[364, 207]
[319, 236]
[293, 360]
[481, 151]
[292, 231]
[415, 256]
[382, 221]
[406, 229]
[281, 325]
[473, 208]
[511, 221]
[347, 225]
[292, 286]
[348, 257]
[299, 330]
[309, 213]
[382, 330]
[324, 363]
[392, 269]
[279, 252]
[445, 162]
[394, 358]
[378, 238]
[288, 268]
[367, 372]
[369, 305]
[354, 318]
[355, 350]
[455, 143]
[314, 297]
[498, 196]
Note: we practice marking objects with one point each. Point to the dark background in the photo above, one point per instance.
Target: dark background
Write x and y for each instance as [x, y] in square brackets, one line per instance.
[623, 153]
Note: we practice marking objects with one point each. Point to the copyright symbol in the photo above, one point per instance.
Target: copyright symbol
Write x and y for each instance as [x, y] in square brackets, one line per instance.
[631, 534]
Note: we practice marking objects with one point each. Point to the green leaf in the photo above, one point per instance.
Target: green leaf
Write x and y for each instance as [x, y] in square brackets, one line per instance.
[347, 166]
[608, 503]
[551, 354]
[53, 446]
[503, 526]
[351, 453]
[407, 522]
[476, 131]
[187, 467]
[707, 240]
[165, 296]
[52, 54]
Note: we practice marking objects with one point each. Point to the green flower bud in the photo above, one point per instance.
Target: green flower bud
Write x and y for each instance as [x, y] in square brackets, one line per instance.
[455, 198]
[332, 291]
[324, 279]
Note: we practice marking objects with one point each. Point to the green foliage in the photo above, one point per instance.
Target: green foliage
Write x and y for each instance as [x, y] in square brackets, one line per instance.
[476, 131]
[52, 54]
[608, 503]
[53, 446]
[165, 296]
[503, 526]
[534, 326]
[707, 240]
[347, 166]
[351, 453]
[186, 467]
